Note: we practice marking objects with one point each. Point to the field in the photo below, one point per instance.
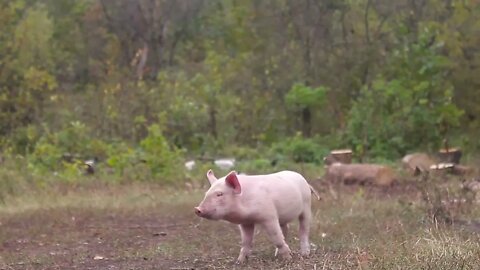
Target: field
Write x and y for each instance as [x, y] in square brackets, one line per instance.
[145, 226]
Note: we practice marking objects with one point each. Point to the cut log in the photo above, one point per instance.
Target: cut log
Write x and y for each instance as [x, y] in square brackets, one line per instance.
[451, 168]
[417, 162]
[442, 168]
[462, 170]
[341, 156]
[450, 155]
[360, 174]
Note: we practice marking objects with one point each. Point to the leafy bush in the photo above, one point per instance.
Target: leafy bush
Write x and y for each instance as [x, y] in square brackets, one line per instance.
[163, 160]
[155, 158]
[46, 156]
[299, 149]
[120, 156]
[23, 140]
[65, 151]
[408, 107]
[304, 96]
[73, 144]
[256, 166]
[242, 153]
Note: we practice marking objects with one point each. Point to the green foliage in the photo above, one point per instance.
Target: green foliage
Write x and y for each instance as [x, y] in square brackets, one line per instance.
[46, 156]
[82, 77]
[299, 150]
[39, 80]
[243, 153]
[255, 166]
[164, 161]
[65, 152]
[304, 96]
[32, 39]
[23, 140]
[56, 151]
[408, 111]
[154, 160]
[120, 156]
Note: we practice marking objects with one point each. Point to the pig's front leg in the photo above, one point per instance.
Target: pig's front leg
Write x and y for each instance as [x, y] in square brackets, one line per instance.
[285, 235]
[275, 235]
[246, 230]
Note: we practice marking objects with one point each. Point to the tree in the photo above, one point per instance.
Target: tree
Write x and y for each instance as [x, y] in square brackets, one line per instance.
[304, 99]
[407, 106]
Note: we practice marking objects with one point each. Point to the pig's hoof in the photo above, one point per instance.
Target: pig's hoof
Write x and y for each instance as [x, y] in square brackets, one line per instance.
[305, 253]
[285, 252]
[287, 256]
[241, 260]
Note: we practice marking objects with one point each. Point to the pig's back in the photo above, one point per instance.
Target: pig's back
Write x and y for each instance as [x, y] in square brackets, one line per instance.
[291, 183]
[288, 192]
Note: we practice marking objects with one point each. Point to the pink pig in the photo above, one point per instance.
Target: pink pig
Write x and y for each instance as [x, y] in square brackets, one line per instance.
[271, 201]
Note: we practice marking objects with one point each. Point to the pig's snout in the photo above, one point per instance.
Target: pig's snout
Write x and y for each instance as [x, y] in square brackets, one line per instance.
[203, 213]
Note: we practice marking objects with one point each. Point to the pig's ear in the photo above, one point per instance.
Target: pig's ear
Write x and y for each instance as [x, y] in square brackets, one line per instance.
[211, 177]
[232, 181]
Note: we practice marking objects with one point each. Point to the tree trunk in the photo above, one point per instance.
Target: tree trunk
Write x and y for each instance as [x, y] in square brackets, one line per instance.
[142, 62]
[307, 122]
[213, 122]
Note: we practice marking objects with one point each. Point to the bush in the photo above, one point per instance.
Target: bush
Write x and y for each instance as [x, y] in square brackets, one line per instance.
[255, 166]
[299, 149]
[64, 152]
[155, 158]
[163, 160]
[59, 150]
[408, 107]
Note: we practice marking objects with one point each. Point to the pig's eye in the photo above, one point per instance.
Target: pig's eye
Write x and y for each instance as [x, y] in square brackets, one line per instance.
[219, 194]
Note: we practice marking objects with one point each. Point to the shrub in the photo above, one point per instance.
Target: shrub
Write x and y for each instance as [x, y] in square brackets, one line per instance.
[407, 107]
[299, 149]
[163, 160]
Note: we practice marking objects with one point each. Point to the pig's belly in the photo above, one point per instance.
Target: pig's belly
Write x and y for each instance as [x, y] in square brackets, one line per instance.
[289, 200]
[289, 211]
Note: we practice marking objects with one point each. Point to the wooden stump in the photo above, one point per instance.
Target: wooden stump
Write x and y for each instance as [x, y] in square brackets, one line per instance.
[450, 155]
[339, 156]
[360, 174]
[417, 162]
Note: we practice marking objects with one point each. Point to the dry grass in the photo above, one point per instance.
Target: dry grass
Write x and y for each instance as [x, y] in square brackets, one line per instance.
[148, 227]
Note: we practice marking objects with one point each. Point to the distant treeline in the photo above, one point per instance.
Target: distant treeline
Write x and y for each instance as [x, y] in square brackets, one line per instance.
[380, 77]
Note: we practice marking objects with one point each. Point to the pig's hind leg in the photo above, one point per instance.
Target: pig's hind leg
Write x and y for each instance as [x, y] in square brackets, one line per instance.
[275, 235]
[284, 230]
[246, 231]
[304, 230]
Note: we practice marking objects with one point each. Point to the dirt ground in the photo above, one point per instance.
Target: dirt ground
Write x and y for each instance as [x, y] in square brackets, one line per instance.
[118, 229]
[89, 238]
[147, 228]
